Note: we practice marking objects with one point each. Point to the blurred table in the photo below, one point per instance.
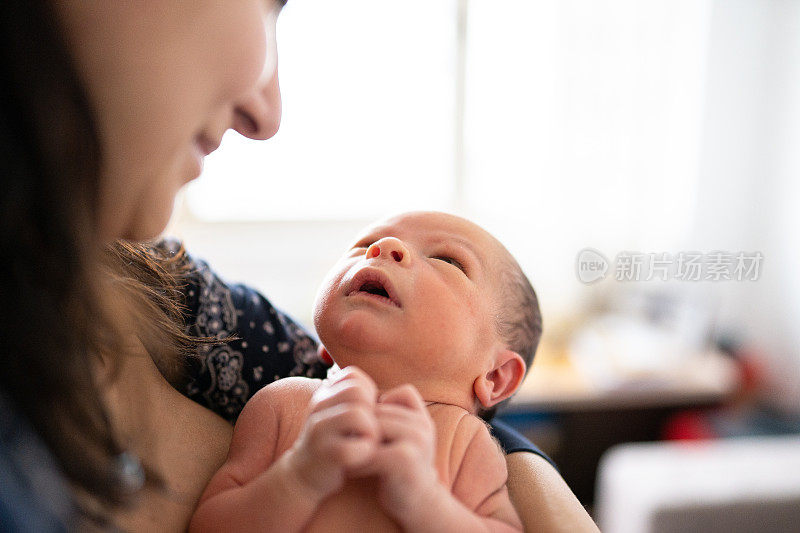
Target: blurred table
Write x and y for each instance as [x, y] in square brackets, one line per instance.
[576, 420]
[555, 384]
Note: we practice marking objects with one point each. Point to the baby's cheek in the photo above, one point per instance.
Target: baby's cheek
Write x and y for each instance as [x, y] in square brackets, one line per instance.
[326, 291]
[321, 310]
[483, 324]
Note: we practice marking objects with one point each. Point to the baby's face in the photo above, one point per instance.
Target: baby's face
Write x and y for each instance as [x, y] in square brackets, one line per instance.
[415, 300]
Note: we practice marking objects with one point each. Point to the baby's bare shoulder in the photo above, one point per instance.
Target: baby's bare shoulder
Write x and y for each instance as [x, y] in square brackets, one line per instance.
[293, 387]
[474, 435]
[481, 481]
[463, 434]
[286, 397]
[275, 414]
[461, 426]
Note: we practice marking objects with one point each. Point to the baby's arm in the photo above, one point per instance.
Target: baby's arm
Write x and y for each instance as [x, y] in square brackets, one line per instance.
[480, 483]
[254, 490]
[249, 491]
[479, 499]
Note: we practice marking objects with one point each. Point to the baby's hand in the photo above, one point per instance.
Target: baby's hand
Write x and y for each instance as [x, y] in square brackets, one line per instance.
[404, 460]
[340, 434]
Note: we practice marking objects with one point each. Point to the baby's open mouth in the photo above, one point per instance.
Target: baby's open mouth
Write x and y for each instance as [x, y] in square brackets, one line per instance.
[373, 287]
[374, 283]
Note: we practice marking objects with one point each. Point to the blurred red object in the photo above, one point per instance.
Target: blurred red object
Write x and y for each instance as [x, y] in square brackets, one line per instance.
[688, 425]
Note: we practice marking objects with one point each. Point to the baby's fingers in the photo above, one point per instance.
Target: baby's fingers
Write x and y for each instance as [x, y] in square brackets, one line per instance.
[349, 385]
[331, 442]
[343, 392]
[399, 422]
[405, 395]
[343, 422]
[353, 373]
[351, 453]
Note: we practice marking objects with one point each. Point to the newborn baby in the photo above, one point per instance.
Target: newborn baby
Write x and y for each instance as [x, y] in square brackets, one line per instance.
[432, 322]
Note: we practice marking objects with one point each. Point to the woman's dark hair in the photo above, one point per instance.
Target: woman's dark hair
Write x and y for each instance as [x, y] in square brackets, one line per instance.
[53, 271]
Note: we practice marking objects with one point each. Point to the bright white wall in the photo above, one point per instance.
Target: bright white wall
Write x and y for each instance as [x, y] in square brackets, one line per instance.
[583, 123]
[750, 164]
[367, 99]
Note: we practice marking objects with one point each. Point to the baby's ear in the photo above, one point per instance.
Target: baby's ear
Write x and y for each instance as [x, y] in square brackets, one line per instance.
[324, 356]
[501, 381]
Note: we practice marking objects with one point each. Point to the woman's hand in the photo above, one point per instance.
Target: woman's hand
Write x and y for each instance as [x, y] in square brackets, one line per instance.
[404, 459]
[340, 434]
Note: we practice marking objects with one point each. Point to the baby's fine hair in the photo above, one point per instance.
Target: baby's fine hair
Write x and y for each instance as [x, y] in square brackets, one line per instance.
[519, 320]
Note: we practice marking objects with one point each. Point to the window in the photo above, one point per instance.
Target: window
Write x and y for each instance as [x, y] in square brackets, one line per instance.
[368, 118]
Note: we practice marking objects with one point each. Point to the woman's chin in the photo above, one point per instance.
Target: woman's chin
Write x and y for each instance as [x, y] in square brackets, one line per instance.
[148, 230]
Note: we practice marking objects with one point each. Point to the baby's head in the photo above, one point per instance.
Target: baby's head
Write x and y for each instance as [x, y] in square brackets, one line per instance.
[433, 300]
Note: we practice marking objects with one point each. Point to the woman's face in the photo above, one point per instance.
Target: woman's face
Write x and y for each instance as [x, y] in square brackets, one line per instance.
[166, 78]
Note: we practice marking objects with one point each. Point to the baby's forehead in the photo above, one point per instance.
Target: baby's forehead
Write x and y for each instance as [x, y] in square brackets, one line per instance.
[439, 227]
[424, 223]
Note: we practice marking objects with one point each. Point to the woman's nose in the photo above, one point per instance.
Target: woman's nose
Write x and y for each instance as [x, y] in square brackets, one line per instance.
[389, 248]
[258, 115]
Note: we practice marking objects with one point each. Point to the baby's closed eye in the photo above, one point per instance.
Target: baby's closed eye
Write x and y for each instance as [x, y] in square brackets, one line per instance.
[450, 260]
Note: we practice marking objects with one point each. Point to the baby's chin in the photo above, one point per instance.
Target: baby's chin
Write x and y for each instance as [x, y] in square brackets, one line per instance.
[356, 331]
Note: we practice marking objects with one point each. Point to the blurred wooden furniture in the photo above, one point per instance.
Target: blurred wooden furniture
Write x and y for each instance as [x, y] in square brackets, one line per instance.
[555, 384]
[576, 420]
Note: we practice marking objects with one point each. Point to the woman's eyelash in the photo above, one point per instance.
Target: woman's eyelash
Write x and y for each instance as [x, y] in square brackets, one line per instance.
[451, 261]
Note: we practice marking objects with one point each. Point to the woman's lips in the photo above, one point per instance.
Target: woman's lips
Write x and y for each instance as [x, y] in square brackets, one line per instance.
[374, 284]
[206, 144]
[202, 146]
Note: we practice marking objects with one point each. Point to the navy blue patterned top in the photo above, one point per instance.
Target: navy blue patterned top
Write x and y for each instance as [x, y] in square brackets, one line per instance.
[269, 345]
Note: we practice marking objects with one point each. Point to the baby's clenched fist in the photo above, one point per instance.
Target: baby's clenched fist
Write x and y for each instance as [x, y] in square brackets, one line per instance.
[340, 434]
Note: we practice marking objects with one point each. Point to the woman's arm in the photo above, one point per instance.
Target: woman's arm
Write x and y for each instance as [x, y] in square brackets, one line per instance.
[539, 494]
[542, 498]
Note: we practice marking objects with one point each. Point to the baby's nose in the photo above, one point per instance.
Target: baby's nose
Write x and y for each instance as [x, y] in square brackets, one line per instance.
[389, 247]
